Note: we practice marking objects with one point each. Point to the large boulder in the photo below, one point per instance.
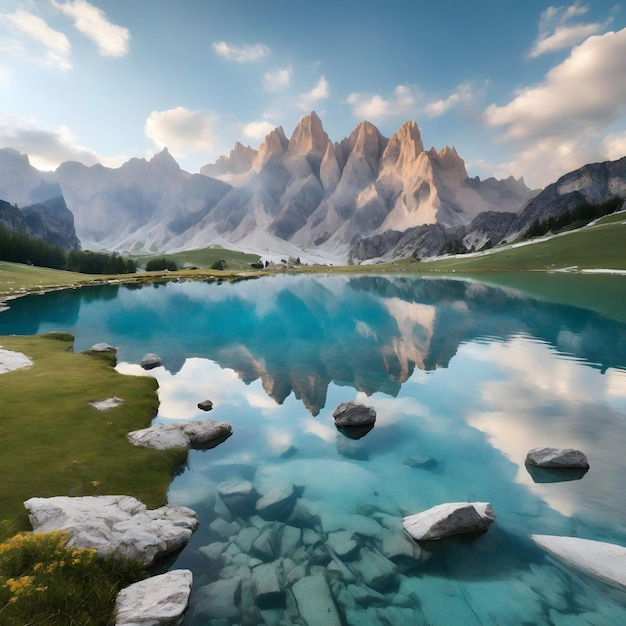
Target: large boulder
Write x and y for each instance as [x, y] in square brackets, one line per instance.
[150, 361]
[354, 414]
[201, 434]
[157, 601]
[605, 560]
[561, 458]
[114, 524]
[446, 520]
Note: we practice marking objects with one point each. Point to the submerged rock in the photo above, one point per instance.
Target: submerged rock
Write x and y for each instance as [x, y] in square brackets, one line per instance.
[557, 457]
[354, 414]
[446, 520]
[422, 462]
[114, 524]
[219, 600]
[604, 560]
[278, 502]
[315, 601]
[156, 601]
[202, 434]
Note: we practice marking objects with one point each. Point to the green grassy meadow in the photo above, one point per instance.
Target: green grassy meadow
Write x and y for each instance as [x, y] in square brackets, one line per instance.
[55, 443]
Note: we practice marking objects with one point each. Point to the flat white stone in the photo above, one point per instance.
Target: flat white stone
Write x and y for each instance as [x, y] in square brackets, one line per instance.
[451, 518]
[108, 403]
[183, 434]
[155, 601]
[605, 560]
[10, 361]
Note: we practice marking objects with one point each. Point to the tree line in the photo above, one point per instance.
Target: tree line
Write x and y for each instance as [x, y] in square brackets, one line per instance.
[19, 247]
[579, 216]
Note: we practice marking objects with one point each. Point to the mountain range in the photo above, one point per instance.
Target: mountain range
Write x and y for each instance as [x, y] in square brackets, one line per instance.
[366, 196]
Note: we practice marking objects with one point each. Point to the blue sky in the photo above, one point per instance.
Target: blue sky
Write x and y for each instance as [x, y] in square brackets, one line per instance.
[528, 88]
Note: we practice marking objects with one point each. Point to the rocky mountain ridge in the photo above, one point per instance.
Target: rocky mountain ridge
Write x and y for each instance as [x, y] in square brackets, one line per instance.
[594, 183]
[303, 193]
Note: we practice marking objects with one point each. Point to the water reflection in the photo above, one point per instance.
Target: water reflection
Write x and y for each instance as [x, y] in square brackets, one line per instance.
[465, 379]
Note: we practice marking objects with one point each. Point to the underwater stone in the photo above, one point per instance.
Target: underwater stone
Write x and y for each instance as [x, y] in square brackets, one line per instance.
[336, 570]
[358, 524]
[262, 545]
[315, 602]
[269, 593]
[289, 540]
[557, 458]
[236, 493]
[246, 538]
[219, 599]
[376, 571]
[397, 547]
[213, 550]
[446, 520]
[422, 462]
[278, 502]
[343, 544]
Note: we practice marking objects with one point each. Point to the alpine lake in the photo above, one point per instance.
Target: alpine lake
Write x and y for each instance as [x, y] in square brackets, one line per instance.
[465, 378]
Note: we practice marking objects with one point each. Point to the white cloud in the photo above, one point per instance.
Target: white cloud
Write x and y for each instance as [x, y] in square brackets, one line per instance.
[242, 54]
[556, 33]
[46, 149]
[559, 122]
[321, 91]
[182, 131]
[406, 101]
[258, 130]
[278, 80]
[112, 40]
[56, 44]
[615, 146]
[462, 94]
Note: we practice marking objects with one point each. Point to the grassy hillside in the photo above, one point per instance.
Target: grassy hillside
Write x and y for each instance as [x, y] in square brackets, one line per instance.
[204, 258]
[599, 246]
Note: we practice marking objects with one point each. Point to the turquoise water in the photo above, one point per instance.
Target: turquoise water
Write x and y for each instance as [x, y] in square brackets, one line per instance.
[465, 379]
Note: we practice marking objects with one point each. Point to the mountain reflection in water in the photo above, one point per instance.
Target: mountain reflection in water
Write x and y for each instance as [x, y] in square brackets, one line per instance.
[299, 334]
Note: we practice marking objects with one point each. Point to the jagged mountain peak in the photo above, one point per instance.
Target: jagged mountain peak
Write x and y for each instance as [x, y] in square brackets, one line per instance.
[404, 146]
[274, 146]
[309, 137]
[164, 161]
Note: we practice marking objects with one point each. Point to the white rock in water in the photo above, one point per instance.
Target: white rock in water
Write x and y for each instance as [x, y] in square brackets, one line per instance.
[196, 434]
[446, 520]
[118, 524]
[605, 560]
[563, 458]
[156, 601]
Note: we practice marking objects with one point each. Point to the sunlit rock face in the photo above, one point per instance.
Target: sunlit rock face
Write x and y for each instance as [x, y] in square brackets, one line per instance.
[304, 190]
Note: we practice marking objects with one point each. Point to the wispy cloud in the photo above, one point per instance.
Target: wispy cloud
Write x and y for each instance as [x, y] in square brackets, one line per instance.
[557, 124]
[406, 101]
[182, 131]
[249, 53]
[112, 40]
[278, 80]
[56, 44]
[556, 32]
[321, 91]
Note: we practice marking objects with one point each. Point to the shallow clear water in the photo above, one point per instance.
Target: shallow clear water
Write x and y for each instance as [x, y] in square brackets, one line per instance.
[465, 379]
